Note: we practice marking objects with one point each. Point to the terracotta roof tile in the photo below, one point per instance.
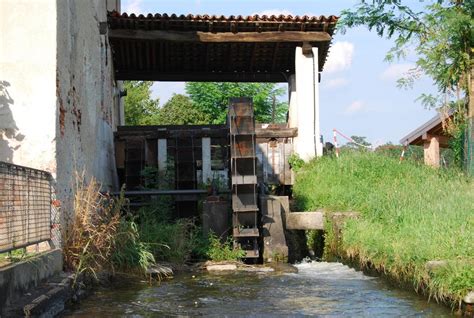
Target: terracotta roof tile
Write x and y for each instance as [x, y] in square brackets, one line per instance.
[238, 18]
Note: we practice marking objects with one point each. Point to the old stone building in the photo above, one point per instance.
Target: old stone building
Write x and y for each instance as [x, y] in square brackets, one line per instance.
[59, 103]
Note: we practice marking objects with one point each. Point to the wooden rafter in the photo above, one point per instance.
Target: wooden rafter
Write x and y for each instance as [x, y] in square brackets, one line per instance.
[220, 37]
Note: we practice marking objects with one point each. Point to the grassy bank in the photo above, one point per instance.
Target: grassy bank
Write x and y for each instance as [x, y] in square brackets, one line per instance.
[411, 214]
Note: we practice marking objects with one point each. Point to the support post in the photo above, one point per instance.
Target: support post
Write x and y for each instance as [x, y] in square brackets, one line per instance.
[162, 154]
[292, 102]
[306, 88]
[206, 160]
[469, 136]
[431, 150]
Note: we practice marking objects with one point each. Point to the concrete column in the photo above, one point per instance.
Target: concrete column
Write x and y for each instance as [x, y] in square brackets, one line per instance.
[431, 151]
[317, 124]
[162, 155]
[206, 160]
[292, 102]
[307, 144]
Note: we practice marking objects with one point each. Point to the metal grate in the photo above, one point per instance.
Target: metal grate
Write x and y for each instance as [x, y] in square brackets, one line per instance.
[25, 206]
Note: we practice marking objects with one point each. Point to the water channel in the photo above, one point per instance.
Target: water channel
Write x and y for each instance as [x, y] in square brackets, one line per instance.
[317, 289]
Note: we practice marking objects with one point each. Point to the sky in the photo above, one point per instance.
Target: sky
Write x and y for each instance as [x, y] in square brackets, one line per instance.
[358, 91]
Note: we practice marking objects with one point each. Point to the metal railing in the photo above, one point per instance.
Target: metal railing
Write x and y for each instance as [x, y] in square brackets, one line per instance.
[25, 206]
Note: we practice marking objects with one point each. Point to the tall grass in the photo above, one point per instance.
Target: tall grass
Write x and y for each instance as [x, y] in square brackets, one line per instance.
[411, 214]
[176, 241]
[101, 237]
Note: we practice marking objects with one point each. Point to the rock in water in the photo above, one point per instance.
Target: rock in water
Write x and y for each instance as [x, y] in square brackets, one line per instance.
[469, 298]
[159, 270]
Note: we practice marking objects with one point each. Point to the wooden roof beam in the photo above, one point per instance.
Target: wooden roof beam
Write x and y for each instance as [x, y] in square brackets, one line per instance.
[443, 140]
[270, 77]
[220, 37]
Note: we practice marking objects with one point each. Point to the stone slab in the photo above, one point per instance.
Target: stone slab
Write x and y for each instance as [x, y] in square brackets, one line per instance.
[223, 267]
[305, 221]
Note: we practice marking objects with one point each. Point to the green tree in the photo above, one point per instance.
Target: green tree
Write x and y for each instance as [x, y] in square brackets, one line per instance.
[213, 99]
[358, 143]
[179, 110]
[140, 107]
[442, 37]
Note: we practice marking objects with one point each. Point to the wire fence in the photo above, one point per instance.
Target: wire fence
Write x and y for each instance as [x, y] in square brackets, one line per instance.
[25, 206]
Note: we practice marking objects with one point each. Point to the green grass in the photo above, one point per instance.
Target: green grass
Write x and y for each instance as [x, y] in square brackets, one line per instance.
[410, 214]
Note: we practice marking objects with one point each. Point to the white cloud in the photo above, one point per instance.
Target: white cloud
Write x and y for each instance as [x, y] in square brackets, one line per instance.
[339, 57]
[396, 71]
[276, 12]
[165, 90]
[132, 6]
[336, 82]
[355, 107]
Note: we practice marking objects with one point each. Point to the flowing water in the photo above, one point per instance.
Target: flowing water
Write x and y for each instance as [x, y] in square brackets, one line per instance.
[318, 289]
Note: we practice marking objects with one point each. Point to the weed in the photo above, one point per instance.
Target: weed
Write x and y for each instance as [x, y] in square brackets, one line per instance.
[218, 251]
[295, 162]
[100, 237]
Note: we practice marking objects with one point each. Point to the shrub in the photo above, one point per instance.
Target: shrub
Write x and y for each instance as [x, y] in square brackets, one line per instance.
[218, 251]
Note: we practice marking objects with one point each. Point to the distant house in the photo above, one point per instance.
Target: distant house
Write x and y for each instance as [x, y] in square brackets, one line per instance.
[432, 136]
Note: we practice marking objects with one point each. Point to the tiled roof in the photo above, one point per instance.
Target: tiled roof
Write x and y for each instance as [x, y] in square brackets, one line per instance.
[139, 58]
[249, 18]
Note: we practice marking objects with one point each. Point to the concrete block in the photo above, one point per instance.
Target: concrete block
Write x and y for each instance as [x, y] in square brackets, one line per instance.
[219, 268]
[216, 217]
[305, 221]
[17, 279]
[274, 209]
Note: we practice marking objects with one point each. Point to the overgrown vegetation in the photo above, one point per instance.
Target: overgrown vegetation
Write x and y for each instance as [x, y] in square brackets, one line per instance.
[410, 214]
[222, 251]
[100, 237]
[177, 241]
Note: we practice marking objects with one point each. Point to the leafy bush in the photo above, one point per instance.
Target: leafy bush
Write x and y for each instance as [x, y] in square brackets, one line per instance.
[218, 251]
[295, 162]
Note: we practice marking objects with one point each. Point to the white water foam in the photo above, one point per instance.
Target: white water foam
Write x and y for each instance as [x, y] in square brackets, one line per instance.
[329, 271]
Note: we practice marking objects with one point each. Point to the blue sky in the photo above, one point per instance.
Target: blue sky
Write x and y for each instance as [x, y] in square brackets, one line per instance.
[358, 93]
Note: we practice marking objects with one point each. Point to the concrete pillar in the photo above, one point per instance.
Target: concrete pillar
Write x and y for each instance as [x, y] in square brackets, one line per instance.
[431, 150]
[274, 210]
[292, 102]
[206, 160]
[162, 155]
[306, 116]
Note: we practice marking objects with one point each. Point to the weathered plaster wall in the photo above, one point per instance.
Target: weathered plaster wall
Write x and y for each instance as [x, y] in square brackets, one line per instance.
[28, 83]
[87, 101]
